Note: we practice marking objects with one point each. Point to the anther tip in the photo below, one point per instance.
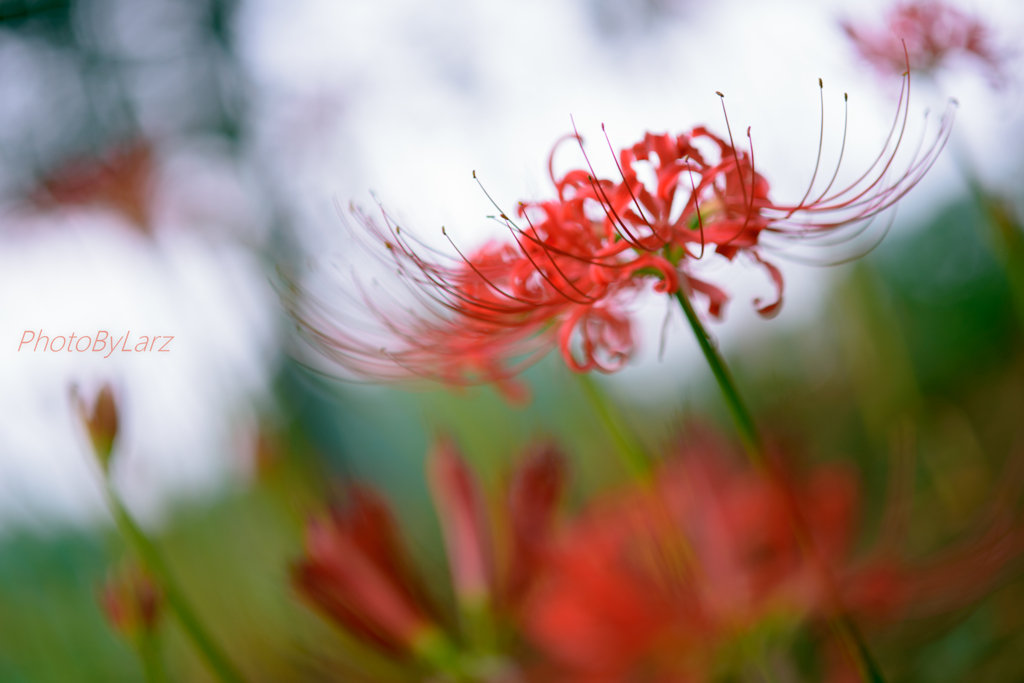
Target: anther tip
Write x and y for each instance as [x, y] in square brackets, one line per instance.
[846, 97]
[474, 174]
[719, 93]
[443, 232]
[820, 83]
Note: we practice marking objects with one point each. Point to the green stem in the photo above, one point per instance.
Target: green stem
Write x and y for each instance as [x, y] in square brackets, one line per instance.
[755, 451]
[740, 413]
[190, 622]
[633, 456]
[148, 647]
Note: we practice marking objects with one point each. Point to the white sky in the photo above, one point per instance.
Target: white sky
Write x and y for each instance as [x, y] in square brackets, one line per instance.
[406, 99]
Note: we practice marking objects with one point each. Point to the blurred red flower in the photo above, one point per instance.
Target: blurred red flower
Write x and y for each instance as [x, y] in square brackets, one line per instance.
[356, 571]
[662, 580]
[121, 180]
[660, 577]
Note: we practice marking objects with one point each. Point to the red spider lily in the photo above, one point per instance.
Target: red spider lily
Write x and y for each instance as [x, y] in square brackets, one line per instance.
[501, 308]
[356, 572]
[131, 601]
[656, 580]
[929, 33]
[567, 275]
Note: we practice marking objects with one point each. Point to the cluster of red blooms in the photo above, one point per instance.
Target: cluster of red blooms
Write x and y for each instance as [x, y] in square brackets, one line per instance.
[658, 580]
[356, 569]
[574, 262]
[929, 33]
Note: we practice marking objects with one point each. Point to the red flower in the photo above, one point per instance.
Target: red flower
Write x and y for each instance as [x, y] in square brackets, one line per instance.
[619, 597]
[933, 32]
[355, 569]
[356, 572]
[566, 277]
[657, 579]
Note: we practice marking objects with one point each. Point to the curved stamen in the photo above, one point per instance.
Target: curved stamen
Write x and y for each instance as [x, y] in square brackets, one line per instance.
[733, 145]
[821, 141]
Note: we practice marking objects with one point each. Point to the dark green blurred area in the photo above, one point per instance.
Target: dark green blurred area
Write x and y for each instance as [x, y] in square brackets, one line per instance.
[920, 339]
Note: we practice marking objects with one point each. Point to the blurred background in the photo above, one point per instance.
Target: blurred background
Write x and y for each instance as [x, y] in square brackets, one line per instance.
[162, 161]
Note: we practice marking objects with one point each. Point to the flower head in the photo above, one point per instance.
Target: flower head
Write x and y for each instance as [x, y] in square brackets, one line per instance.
[930, 33]
[573, 264]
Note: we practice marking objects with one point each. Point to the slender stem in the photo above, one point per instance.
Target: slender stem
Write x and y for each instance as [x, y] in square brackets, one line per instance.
[869, 667]
[754, 446]
[633, 456]
[190, 622]
[149, 649]
[740, 413]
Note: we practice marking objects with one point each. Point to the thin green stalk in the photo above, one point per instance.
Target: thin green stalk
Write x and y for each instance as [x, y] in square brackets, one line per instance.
[154, 562]
[754, 446]
[148, 647]
[634, 458]
[740, 413]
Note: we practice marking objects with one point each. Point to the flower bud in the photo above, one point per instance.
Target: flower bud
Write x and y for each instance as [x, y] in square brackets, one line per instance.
[131, 601]
[101, 421]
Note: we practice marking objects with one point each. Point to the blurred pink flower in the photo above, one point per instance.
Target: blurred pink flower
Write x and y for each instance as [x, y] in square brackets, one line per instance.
[929, 33]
